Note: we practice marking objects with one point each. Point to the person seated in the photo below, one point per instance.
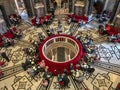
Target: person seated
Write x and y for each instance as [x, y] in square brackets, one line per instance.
[104, 32]
[18, 18]
[92, 49]
[31, 51]
[84, 66]
[65, 71]
[52, 31]
[71, 67]
[45, 83]
[13, 29]
[7, 41]
[14, 20]
[76, 74]
[65, 79]
[59, 77]
[59, 22]
[60, 29]
[46, 21]
[112, 38]
[87, 37]
[78, 37]
[48, 32]
[31, 72]
[100, 27]
[42, 64]
[104, 19]
[94, 58]
[69, 20]
[118, 36]
[41, 37]
[38, 20]
[90, 70]
[90, 41]
[80, 23]
[47, 74]
[17, 33]
[80, 78]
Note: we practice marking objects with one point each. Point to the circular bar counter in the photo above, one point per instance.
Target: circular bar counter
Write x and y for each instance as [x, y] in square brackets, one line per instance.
[70, 41]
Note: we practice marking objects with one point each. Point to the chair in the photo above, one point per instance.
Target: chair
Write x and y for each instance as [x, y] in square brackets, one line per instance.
[2, 63]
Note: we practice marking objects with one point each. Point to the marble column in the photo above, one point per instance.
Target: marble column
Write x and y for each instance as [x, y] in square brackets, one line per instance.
[40, 10]
[45, 6]
[86, 7]
[116, 20]
[114, 11]
[5, 17]
[32, 6]
[90, 6]
[28, 7]
[106, 4]
[79, 8]
[3, 27]
[71, 4]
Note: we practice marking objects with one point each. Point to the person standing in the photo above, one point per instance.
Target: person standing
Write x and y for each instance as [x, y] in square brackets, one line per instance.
[4, 55]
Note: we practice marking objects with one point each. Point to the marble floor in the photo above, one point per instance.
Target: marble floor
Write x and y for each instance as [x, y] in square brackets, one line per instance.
[105, 77]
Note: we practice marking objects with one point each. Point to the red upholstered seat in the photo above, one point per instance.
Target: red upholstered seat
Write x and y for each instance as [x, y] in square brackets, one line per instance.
[1, 44]
[14, 28]
[111, 30]
[69, 15]
[48, 17]
[34, 21]
[42, 21]
[2, 63]
[77, 17]
[61, 83]
[14, 15]
[117, 40]
[8, 34]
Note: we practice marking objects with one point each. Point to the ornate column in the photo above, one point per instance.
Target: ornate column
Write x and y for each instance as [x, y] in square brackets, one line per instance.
[39, 10]
[73, 6]
[32, 6]
[47, 3]
[106, 4]
[86, 7]
[28, 7]
[45, 6]
[114, 12]
[116, 20]
[90, 6]
[5, 17]
[3, 27]
[79, 8]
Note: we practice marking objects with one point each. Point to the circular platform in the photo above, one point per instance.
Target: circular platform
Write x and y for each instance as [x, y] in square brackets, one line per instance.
[60, 40]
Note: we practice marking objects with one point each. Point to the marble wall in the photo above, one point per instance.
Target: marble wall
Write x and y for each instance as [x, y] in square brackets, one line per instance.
[9, 6]
[110, 4]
